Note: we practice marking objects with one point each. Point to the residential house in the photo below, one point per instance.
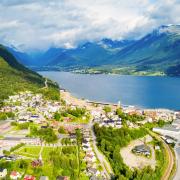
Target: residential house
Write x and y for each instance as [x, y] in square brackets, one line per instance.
[90, 157]
[44, 178]
[87, 148]
[142, 149]
[3, 173]
[29, 177]
[36, 163]
[62, 178]
[157, 147]
[15, 175]
[93, 171]
[21, 121]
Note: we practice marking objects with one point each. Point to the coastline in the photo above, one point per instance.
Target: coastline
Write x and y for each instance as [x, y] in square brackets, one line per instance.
[84, 101]
[100, 73]
[70, 99]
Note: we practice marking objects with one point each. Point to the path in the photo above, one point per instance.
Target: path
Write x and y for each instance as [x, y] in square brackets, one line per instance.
[46, 84]
[177, 152]
[40, 153]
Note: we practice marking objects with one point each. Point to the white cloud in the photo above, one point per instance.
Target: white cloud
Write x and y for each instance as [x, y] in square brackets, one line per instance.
[30, 24]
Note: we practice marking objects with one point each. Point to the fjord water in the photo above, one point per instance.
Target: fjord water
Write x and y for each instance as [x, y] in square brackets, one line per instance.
[141, 91]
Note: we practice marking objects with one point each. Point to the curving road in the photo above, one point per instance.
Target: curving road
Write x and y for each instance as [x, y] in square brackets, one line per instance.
[170, 156]
[169, 168]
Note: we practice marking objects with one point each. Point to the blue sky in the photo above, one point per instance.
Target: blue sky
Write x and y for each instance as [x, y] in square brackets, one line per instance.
[39, 24]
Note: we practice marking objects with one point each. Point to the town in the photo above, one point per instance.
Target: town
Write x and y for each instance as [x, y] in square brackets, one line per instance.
[43, 139]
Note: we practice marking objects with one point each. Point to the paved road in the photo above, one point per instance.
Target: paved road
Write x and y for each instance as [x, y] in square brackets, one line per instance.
[170, 157]
[167, 172]
[177, 151]
[107, 170]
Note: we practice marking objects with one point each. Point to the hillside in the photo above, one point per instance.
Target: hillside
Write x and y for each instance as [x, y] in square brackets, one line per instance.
[14, 77]
[158, 51]
[22, 57]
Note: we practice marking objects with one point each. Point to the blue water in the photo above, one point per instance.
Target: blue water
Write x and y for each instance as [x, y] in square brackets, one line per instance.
[141, 91]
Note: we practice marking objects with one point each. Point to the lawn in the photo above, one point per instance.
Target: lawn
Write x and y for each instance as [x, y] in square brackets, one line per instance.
[33, 151]
[29, 151]
[47, 150]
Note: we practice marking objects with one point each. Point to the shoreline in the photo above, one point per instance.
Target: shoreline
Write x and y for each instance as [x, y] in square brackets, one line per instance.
[121, 74]
[92, 102]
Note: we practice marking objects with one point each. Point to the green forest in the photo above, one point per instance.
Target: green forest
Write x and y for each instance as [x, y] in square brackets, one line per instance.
[110, 141]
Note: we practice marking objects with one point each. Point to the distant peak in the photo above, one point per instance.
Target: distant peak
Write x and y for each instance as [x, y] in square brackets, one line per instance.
[170, 28]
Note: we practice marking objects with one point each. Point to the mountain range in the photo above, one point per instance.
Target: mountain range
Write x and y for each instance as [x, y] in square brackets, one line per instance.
[156, 53]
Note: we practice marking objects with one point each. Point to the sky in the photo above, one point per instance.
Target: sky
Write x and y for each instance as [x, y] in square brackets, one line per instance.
[40, 24]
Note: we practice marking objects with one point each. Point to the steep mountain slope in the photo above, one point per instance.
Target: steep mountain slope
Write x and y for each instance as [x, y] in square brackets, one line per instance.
[14, 77]
[115, 45]
[89, 54]
[157, 51]
[49, 56]
[22, 57]
[63, 59]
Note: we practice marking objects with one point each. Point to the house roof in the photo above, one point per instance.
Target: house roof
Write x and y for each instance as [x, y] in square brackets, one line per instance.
[62, 178]
[29, 177]
[142, 148]
[93, 170]
[14, 173]
[43, 178]
[1, 169]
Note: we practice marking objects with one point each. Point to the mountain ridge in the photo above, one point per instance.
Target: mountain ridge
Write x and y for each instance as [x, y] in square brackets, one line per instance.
[158, 51]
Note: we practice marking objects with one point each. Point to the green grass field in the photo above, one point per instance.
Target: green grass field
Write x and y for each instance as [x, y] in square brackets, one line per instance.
[47, 150]
[33, 151]
[29, 151]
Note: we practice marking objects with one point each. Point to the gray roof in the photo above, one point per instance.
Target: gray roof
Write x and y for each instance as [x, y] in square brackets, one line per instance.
[43, 178]
[142, 148]
[1, 169]
[171, 128]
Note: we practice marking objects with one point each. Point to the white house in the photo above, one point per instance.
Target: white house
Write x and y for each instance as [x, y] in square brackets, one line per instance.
[3, 173]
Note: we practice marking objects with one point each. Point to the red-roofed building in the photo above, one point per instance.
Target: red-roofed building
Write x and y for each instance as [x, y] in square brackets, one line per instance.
[29, 177]
[36, 163]
[15, 175]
